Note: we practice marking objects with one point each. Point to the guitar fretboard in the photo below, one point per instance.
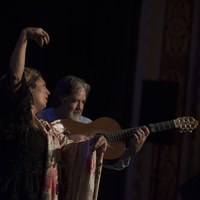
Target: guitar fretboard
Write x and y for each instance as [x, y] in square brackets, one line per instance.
[161, 126]
[127, 133]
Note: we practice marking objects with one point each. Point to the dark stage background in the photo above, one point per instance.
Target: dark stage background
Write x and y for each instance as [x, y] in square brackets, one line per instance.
[96, 40]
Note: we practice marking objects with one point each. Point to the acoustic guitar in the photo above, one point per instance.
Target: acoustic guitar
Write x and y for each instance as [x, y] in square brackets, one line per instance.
[116, 136]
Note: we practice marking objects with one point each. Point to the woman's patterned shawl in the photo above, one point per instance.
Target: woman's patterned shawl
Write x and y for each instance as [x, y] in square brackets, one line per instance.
[73, 169]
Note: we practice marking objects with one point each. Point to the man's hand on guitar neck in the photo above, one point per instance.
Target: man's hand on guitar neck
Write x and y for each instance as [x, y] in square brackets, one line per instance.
[136, 142]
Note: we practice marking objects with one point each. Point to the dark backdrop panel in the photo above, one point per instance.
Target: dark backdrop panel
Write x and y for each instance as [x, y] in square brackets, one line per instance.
[159, 102]
[190, 189]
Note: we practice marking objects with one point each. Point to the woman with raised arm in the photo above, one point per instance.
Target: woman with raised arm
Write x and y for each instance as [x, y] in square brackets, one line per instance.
[32, 151]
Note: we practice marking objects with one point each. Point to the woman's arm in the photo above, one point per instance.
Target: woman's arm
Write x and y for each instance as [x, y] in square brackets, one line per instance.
[17, 61]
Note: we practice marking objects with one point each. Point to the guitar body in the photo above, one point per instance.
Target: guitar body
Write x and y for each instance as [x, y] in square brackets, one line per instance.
[100, 125]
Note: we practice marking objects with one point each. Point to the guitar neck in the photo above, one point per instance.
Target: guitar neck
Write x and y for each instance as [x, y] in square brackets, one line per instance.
[128, 133]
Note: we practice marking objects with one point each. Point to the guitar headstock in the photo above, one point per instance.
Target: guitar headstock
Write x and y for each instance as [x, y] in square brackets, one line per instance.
[186, 124]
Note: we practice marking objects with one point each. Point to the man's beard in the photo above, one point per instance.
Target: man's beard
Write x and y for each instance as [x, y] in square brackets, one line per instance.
[75, 115]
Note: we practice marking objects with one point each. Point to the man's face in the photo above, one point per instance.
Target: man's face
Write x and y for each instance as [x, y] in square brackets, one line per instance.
[74, 104]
